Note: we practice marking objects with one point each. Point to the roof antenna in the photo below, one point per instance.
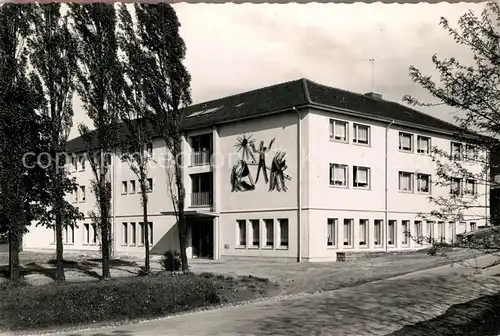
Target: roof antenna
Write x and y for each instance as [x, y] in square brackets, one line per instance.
[372, 61]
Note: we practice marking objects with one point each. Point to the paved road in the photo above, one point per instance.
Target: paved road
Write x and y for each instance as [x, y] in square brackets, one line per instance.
[375, 308]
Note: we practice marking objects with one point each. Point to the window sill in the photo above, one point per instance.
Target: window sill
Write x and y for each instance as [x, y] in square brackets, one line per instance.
[423, 154]
[364, 246]
[361, 188]
[361, 144]
[282, 248]
[240, 247]
[253, 247]
[267, 247]
[405, 192]
[338, 186]
[133, 245]
[423, 192]
[339, 141]
[406, 151]
[124, 193]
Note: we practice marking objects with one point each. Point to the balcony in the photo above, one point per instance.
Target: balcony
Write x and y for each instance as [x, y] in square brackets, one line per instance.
[200, 158]
[199, 199]
[201, 149]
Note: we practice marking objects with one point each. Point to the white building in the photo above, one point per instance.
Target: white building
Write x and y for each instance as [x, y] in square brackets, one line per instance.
[345, 173]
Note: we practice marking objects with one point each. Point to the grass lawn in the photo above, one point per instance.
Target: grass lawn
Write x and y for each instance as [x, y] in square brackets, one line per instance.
[30, 307]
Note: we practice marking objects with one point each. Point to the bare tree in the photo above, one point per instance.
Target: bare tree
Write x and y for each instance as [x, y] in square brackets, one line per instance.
[474, 90]
[166, 83]
[138, 144]
[99, 86]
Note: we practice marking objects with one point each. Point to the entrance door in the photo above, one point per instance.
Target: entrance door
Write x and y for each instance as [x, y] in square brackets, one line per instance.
[202, 238]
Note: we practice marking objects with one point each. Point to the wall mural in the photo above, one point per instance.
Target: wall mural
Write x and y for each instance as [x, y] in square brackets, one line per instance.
[241, 176]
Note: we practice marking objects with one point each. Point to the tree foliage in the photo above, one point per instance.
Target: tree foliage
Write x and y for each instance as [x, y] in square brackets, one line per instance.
[23, 184]
[473, 89]
[53, 57]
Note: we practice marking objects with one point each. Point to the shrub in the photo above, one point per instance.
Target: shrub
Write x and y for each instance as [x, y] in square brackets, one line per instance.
[171, 261]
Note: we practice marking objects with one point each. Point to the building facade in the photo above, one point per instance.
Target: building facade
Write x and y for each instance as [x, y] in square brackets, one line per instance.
[294, 171]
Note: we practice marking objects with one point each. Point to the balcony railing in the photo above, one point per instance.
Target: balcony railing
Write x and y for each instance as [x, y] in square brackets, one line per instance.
[201, 198]
[200, 158]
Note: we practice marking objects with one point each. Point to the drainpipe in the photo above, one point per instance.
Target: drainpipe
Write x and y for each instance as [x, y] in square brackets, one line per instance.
[299, 186]
[385, 192]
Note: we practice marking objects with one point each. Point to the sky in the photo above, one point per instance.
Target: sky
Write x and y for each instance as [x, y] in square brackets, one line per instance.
[235, 48]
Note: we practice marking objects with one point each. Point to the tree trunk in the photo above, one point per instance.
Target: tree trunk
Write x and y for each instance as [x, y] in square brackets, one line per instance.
[60, 276]
[104, 201]
[14, 262]
[144, 196]
[181, 195]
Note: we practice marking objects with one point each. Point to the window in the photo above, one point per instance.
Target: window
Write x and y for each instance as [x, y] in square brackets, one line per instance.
[456, 184]
[348, 232]
[75, 195]
[405, 182]
[332, 231]
[424, 183]
[338, 175]
[124, 233]
[94, 234]
[442, 232]
[107, 159]
[150, 232]
[361, 134]
[473, 226]
[405, 228]
[423, 144]
[149, 184]
[74, 163]
[81, 160]
[242, 232]
[124, 187]
[283, 227]
[470, 187]
[361, 177]
[405, 142]
[430, 230]
[132, 186]
[69, 234]
[456, 151]
[133, 234]
[453, 231]
[269, 226]
[418, 231]
[338, 130]
[378, 232]
[363, 232]
[255, 225]
[471, 152]
[392, 232]
[82, 193]
[143, 234]
[86, 234]
[149, 149]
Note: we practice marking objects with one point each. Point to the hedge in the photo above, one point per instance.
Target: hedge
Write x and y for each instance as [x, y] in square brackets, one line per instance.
[46, 306]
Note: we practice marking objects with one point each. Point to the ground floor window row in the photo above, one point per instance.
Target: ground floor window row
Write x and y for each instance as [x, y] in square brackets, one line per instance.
[262, 234]
[397, 232]
[131, 234]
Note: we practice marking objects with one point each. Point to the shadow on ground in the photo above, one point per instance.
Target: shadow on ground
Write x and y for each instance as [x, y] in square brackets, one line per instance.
[86, 267]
